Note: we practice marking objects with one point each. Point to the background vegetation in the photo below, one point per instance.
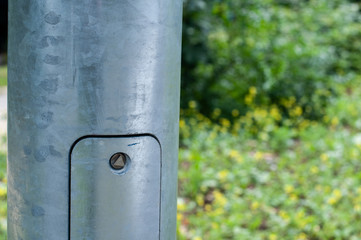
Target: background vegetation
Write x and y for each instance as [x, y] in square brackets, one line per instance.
[259, 179]
[270, 121]
[270, 128]
[285, 49]
[3, 76]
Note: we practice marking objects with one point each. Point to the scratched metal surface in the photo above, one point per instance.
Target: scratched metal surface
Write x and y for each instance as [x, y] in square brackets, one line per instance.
[90, 67]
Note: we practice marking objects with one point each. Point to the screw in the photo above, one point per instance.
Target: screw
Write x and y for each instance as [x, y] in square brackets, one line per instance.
[118, 161]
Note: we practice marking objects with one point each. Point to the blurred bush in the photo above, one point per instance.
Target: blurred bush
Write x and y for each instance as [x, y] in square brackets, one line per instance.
[255, 179]
[241, 54]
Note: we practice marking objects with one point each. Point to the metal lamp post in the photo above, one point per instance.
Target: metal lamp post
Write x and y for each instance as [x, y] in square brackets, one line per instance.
[93, 119]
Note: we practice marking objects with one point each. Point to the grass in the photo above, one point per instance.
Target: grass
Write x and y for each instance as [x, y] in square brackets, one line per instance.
[258, 179]
[3, 76]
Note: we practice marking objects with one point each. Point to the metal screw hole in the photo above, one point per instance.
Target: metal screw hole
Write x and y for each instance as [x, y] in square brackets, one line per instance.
[118, 161]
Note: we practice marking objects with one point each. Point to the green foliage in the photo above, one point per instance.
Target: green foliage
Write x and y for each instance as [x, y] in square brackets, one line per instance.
[251, 178]
[282, 48]
[3, 76]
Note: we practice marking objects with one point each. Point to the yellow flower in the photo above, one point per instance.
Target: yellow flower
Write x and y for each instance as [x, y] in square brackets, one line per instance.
[302, 236]
[337, 193]
[200, 117]
[284, 215]
[332, 200]
[288, 102]
[300, 214]
[215, 225]
[239, 159]
[255, 205]
[248, 99]
[289, 188]
[200, 200]
[182, 123]
[304, 124]
[297, 111]
[293, 197]
[334, 121]
[324, 157]
[272, 236]
[217, 212]
[179, 216]
[236, 155]
[292, 100]
[258, 156]
[192, 104]
[260, 113]
[233, 153]
[253, 90]
[225, 122]
[197, 238]
[2, 191]
[235, 112]
[314, 169]
[219, 198]
[222, 175]
[336, 196]
[181, 206]
[208, 207]
[275, 114]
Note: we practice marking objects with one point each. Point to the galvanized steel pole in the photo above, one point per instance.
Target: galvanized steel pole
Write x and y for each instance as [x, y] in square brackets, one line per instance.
[93, 119]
